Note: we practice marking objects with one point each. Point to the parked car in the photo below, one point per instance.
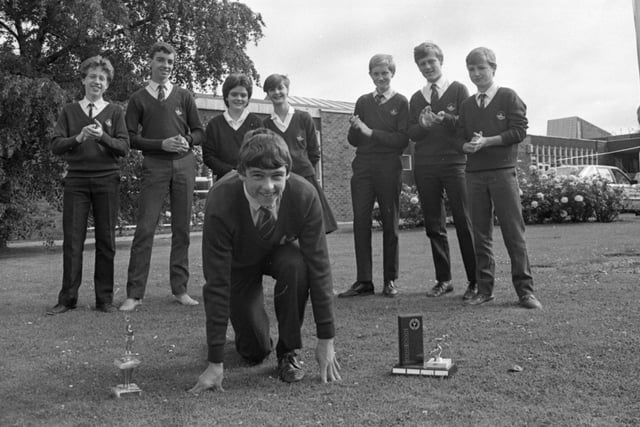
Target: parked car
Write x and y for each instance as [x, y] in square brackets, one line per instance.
[615, 176]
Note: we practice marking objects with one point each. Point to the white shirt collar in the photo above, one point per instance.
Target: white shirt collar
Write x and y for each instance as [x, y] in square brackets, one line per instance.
[152, 88]
[235, 124]
[388, 94]
[98, 105]
[442, 83]
[491, 93]
[283, 125]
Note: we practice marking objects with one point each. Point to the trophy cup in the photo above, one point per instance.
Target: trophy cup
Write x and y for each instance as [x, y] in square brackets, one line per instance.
[127, 363]
[437, 366]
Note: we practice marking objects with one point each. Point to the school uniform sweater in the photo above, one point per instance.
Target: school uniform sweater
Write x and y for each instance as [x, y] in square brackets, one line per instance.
[505, 115]
[222, 143]
[230, 240]
[389, 123]
[176, 115]
[90, 158]
[436, 145]
[301, 139]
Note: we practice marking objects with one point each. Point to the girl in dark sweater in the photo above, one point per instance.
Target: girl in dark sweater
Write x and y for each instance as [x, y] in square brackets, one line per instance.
[224, 133]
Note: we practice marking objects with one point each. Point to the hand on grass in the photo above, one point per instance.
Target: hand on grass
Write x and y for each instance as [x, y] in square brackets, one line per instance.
[211, 378]
[326, 358]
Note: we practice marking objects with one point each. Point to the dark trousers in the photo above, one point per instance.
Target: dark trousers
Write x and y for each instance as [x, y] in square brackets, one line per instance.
[378, 178]
[159, 177]
[432, 181]
[101, 195]
[497, 192]
[247, 310]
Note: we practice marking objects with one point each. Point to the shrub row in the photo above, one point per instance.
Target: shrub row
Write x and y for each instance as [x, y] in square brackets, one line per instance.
[546, 198]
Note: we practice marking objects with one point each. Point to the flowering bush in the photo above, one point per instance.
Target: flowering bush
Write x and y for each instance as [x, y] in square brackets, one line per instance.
[410, 209]
[550, 198]
[546, 198]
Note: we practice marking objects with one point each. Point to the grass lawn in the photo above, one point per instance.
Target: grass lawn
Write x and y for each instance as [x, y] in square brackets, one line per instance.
[580, 354]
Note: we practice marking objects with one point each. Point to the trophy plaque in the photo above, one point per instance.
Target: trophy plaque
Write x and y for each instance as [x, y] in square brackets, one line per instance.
[411, 351]
[126, 364]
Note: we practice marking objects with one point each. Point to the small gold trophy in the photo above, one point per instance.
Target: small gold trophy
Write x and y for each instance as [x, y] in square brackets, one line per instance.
[127, 363]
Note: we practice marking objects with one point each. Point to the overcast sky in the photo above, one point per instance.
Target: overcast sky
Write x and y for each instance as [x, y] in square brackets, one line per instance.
[564, 58]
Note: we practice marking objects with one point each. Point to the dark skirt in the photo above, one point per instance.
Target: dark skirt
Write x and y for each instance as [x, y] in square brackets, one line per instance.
[329, 220]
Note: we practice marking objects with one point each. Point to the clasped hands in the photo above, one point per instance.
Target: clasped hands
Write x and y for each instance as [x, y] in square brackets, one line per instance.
[90, 132]
[477, 142]
[358, 124]
[428, 118]
[175, 144]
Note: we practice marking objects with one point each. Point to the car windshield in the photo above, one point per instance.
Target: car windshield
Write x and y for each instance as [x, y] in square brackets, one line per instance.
[569, 170]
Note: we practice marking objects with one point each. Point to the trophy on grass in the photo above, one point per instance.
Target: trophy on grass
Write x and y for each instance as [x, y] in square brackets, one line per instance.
[411, 351]
[127, 363]
[440, 366]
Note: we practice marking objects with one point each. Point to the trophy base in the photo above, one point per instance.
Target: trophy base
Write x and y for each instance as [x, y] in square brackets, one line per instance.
[422, 371]
[438, 363]
[122, 390]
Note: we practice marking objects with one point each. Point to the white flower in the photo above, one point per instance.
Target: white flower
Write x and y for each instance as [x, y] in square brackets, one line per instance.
[533, 168]
[414, 200]
[563, 214]
[534, 204]
[544, 176]
[540, 196]
[564, 200]
[520, 191]
[376, 206]
[578, 198]
[167, 214]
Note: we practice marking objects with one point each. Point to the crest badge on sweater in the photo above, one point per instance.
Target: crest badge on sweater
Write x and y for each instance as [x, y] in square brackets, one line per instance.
[501, 115]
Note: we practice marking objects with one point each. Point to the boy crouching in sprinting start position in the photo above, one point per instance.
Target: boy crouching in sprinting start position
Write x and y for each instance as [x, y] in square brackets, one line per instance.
[261, 220]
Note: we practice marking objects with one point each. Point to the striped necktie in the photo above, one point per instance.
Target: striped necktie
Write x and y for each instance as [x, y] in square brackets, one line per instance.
[91, 107]
[483, 99]
[266, 223]
[434, 94]
[161, 93]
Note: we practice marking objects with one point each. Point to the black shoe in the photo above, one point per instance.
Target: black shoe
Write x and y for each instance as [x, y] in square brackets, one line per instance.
[472, 291]
[59, 309]
[530, 301]
[289, 368]
[389, 289]
[105, 308]
[440, 288]
[479, 299]
[358, 289]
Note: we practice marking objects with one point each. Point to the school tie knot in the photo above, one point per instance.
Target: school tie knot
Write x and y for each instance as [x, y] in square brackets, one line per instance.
[161, 94]
[483, 100]
[266, 223]
[379, 98]
[434, 94]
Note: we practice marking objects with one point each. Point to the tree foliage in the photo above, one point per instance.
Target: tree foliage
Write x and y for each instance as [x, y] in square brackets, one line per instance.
[42, 42]
[51, 37]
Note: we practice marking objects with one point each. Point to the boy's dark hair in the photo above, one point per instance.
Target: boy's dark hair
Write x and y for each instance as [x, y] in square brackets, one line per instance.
[161, 47]
[235, 80]
[274, 80]
[95, 62]
[480, 53]
[262, 148]
[423, 50]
